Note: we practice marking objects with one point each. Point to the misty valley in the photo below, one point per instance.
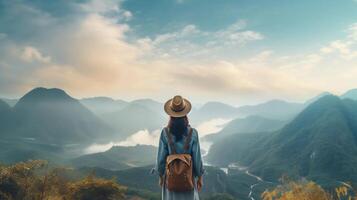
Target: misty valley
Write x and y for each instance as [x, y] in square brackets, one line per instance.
[246, 150]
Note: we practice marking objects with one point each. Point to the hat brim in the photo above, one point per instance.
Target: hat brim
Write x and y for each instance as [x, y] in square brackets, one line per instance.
[181, 113]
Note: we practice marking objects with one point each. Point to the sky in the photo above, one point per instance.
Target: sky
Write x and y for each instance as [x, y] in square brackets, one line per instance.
[234, 51]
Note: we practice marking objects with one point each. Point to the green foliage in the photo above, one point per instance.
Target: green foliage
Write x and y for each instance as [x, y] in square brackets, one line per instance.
[307, 190]
[33, 180]
[92, 188]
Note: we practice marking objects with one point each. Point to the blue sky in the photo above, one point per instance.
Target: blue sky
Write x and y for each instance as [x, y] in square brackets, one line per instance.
[236, 51]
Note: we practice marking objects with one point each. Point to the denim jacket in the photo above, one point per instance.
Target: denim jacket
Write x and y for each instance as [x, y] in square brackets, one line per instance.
[193, 150]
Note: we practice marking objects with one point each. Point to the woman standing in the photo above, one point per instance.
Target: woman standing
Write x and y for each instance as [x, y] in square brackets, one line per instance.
[179, 161]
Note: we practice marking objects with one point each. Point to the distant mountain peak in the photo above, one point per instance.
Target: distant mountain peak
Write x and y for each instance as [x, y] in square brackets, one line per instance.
[327, 100]
[322, 104]
[350, 94]
[322, 94]
[45, 94]
[329, 104]
[4, 106]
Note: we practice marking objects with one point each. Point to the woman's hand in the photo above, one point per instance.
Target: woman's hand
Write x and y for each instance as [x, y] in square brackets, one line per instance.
[199, 183]
[161, 181]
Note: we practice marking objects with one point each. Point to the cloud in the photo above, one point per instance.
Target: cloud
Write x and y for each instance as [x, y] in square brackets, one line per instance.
[345, 48]
[212, 126]
[30, 54]
[191, 42]
[143, 137]
[92, 50]
[236, 35]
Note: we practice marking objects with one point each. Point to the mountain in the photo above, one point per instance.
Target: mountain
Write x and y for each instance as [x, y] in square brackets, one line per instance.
[150, 104]
[320, 143]
[250, 124]
[313, 99]
[350, 94]
[135, 117]
[5, 115]
[101, 105]
[119, 157]
[10, 102]
[212, 110]
[274, 109]
[4, 107]
[52, 116]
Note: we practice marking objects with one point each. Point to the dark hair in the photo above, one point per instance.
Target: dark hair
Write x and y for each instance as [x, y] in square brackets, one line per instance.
[178, 126]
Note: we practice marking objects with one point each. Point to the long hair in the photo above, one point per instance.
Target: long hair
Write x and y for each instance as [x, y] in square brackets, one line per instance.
[178, 126]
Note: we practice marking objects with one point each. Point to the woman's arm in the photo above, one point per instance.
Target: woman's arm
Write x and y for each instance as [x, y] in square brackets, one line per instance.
[196, 156]
[161, 156]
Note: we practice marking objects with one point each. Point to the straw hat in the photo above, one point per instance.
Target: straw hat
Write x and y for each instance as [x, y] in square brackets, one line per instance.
[177, 106]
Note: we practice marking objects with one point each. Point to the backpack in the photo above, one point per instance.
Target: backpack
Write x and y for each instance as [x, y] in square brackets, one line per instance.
[179, 175]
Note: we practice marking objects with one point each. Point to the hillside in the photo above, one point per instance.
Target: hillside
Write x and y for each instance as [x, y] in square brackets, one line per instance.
[150, 104]
[5, 115]
[350, 94]
[250, 124]
[52, 116]
[101, 105]
[320, 143]
[10, 102]
[274, 109]
[119, 157]
[211, 110]
[134, 117]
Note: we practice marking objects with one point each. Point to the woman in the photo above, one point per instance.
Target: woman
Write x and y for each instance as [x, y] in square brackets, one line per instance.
[178, 135]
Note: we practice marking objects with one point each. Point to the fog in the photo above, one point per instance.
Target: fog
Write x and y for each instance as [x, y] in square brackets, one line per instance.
[145, 137]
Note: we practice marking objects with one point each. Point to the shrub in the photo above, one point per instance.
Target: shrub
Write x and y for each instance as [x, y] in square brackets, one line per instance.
[307, 190]
[33, 180]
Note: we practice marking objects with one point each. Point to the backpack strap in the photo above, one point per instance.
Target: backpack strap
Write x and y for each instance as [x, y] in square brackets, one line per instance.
[171, 143]
[188, 140]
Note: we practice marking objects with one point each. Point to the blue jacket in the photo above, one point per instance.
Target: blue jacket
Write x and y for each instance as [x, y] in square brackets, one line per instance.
[194, 150]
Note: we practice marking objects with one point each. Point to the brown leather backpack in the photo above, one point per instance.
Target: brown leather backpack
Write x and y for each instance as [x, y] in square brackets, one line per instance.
[179, 177]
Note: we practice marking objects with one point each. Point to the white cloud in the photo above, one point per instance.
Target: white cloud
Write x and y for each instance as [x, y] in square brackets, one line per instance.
[96, 148]
[143, 137]
[91, 55]
[31, 54]
[353, 31]
[244, 37]
[236, 34]
[212, 126]
[344, 48]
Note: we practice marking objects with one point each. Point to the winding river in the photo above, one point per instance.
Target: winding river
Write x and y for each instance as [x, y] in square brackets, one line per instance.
[246, 171]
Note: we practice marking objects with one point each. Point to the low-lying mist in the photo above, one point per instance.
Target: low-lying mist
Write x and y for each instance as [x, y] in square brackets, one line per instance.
[146, 137]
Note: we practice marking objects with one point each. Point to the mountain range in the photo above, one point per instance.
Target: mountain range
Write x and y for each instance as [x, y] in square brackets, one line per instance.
[101, 105]
[316, 139]
[119, 157]
[250, 124]
[52, 116]
[320, 143]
